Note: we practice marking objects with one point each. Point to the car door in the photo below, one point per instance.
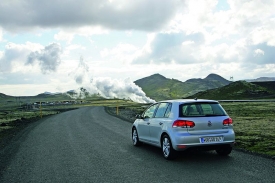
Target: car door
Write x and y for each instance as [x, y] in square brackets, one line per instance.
[157, 122]
[144, 123]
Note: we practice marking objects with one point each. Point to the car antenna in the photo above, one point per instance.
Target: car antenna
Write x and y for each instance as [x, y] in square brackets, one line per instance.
[196, 98]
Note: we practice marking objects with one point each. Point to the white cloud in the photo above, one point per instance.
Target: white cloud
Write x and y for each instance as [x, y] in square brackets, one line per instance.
[127, 15]
[264, 33]
[128, 33]
[122, 53]
[48, 58]
[15, 55]
[90, 30]
[171, 47]
[24, 89]
[242, 18]
[185, 39]
[1, 35]
[187, 43]
[72, 48]
[27, 57]
[225, 36]
[258, 52]
[68, 34]
[147, 47]
[64, 36]
[1, 54]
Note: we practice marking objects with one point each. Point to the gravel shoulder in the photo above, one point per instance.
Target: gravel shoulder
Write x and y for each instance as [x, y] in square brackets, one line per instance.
[123, 113]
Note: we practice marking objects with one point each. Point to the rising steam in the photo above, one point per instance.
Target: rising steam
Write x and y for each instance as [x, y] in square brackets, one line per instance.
[107, 87]
[81, 73]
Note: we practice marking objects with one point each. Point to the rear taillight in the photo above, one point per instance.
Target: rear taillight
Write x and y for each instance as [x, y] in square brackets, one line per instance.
[227, 121]
[183, 123]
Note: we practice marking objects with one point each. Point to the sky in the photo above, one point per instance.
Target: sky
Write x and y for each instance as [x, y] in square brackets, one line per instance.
[105, 45]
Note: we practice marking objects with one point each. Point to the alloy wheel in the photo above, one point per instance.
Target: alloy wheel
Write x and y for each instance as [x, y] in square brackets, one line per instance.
[166, 147]
[135, 137]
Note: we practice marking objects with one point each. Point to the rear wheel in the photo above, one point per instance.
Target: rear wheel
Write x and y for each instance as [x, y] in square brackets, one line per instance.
[135, 139]
[224, 151]
[167, 149]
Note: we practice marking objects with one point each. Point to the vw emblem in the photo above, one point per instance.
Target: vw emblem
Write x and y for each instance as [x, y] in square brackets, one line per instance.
[209, 123]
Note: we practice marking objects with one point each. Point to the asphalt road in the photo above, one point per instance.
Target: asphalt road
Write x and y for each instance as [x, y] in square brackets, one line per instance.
[88, 145]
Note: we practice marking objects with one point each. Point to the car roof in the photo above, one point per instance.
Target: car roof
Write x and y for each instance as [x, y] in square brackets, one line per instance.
[188, 100]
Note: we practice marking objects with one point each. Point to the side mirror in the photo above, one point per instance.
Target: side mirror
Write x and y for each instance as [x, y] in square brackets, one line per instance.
[138, 116]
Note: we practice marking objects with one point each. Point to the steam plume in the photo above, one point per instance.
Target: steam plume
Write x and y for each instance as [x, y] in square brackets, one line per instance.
[108, 87]
[81, 73]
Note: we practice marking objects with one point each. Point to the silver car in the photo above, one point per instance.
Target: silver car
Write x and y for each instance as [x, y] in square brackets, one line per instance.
[178, 125]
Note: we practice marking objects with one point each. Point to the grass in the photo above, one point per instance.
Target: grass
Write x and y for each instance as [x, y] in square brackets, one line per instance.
[254, 124]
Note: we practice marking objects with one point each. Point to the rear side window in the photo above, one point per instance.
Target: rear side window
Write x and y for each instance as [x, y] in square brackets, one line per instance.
[163, 110]
[201, 109]
[149, 113]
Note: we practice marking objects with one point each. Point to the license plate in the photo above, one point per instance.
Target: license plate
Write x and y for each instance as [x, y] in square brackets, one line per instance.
[211, 139]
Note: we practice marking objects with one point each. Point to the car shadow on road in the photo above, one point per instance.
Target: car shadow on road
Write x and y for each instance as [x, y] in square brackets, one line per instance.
[194, 157]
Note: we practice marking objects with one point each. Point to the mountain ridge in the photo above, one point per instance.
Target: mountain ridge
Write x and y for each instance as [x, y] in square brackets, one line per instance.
[159, 87]
[261, 79]
[240, 90]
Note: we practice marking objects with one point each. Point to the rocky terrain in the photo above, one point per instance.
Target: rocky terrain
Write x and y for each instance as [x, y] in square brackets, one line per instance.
[123, 113]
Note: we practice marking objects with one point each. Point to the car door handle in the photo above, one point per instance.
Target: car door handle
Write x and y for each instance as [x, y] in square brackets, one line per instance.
[148, 123]
[160, 123]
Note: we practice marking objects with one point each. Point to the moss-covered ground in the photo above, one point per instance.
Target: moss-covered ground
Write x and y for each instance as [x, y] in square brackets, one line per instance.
[254, 124]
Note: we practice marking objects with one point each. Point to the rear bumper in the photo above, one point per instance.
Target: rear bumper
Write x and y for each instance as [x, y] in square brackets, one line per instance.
[183, 141]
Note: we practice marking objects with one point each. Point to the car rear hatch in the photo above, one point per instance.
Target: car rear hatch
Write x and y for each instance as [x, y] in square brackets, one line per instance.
[206, 117]
[208, 125]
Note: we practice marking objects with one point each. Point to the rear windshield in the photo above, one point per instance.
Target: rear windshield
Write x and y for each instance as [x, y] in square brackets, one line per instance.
[201, 109]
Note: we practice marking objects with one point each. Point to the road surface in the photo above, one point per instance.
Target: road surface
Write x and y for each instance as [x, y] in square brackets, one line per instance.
[88, 145]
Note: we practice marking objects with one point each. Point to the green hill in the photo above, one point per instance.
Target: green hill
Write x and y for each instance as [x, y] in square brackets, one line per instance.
[5, 97]
[269, 85]
[48, 97]
[239, 90]
[158, 87]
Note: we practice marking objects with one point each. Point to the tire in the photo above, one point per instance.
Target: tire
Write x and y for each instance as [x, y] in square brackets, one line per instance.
[135, 138]
[224, 151]
[168, 151]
